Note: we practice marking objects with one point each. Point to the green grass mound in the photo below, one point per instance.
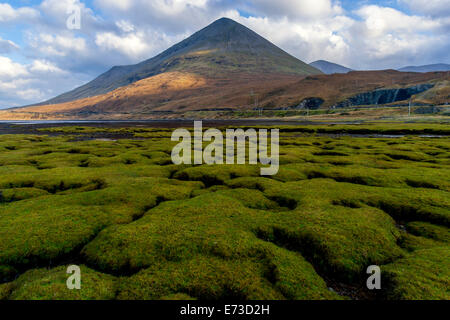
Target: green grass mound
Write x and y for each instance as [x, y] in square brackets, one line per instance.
[422, 275]
[17, 194]
[254, 199]
[429, 230]
[175, 230]
[46, 228]
[50, 284]
[285, 275]
[340, 237]
[217, 174]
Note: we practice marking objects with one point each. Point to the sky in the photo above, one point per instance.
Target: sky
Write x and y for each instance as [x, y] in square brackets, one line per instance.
[44, 51]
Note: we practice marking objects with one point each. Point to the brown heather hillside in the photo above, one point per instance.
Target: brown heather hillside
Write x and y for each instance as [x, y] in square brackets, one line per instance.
[172, 93]
[440, 94]
[337, 87]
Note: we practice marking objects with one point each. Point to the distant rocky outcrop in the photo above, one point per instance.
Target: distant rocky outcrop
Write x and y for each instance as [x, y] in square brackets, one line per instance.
[310, 103]
[428, 110]
[384, 96]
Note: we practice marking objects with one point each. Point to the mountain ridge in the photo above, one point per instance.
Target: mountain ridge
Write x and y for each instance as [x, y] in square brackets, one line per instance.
[426, 68]
[328, 67]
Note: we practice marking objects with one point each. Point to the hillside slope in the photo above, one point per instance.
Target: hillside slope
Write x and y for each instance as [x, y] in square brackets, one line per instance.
[172, 94]
[329, 67]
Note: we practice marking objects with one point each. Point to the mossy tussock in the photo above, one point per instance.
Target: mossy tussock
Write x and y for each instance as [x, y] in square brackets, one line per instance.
[44, 284]
[283, 275]
[422, 274]
[143, 228]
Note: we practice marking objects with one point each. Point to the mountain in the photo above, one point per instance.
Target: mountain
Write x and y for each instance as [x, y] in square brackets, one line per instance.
[427, 68]
[224, 46]
[329, 67]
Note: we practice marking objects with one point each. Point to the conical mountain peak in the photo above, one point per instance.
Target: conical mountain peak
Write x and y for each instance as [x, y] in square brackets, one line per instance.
[223, 35]
[223, 47]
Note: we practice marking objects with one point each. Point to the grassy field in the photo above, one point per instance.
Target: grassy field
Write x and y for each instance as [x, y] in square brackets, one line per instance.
[143, 228]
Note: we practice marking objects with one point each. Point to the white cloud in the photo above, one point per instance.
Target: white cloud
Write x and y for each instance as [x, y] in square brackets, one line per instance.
[132, 45]
[378, 38]
[302, 39]
[14, 78]
[295, 9]
[44, 66]
[167, 16]
[430, 7]
[123, 5]
[380, 20]
[388, 38]
[9, 14]
[30, 94]
[125, 26]
[172, 7]
[10, 69]
[57, 45]
[22, 84]
[176, 7]
[7, 46]
[56, 12]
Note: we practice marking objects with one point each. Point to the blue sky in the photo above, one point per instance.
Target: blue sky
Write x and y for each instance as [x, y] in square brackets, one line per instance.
[40, 57]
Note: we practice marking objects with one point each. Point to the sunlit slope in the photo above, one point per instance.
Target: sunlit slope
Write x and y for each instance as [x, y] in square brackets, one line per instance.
[177, 92]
